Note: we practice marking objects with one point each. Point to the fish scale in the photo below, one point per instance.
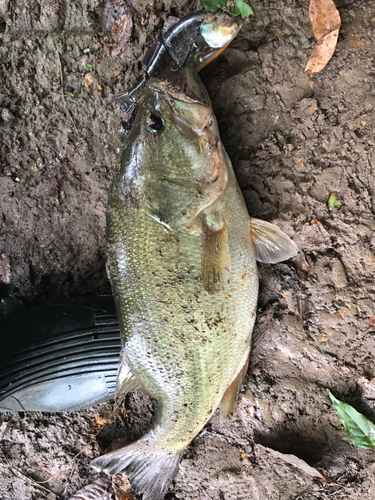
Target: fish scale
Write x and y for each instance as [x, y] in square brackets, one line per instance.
[168, 297]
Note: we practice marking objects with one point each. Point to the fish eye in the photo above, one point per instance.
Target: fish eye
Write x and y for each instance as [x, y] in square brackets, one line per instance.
[155, 123]
[199, 57]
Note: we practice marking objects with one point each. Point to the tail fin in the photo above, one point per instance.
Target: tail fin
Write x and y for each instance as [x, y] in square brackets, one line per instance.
[150, 472]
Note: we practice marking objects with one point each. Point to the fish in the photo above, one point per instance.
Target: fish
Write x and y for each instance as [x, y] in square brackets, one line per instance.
[182, 252]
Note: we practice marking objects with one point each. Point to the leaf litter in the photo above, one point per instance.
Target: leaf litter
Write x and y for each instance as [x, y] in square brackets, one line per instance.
[326, 22]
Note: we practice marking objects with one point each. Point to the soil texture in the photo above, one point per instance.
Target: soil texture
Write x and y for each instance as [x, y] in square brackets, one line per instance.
[293, 141]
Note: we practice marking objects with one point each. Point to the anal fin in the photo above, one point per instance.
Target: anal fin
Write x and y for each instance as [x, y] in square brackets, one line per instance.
[215, 257]
[229, 401]
[126, 382]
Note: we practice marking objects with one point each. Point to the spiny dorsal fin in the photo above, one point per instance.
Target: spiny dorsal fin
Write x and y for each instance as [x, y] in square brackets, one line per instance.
[271, 245]
[215, 257]
[229, 402]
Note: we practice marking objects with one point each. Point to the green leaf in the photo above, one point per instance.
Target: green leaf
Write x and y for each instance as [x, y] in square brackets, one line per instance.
[91, 67]
[332, 202]
[86, 51]
[214, 4]
[241, 9]
[360, 429]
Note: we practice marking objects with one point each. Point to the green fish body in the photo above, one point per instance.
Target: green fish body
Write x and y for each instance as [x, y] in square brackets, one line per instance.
[182, 268]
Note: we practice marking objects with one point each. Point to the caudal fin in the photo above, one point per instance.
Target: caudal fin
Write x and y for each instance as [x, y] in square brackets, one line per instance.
[150, 473]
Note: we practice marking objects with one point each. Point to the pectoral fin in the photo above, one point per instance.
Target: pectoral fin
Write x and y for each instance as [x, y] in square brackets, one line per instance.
[215, 257]
[229, 402]
[271, 245]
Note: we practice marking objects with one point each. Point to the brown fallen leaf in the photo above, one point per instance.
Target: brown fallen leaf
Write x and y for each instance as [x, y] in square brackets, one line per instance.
[122, 29]
[356, 43]
[122, 488]
[100, 422]
[89, 79]
[371, 323]
[121, 32]
[311, 109]
[326, 22]
[327, 478]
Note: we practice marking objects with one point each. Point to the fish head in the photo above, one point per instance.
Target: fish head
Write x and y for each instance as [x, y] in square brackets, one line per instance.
[173, 165]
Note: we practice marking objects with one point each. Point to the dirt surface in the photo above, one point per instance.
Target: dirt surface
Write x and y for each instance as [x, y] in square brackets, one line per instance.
[292, 141]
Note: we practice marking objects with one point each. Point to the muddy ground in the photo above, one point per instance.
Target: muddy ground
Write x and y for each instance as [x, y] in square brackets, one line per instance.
[292, 141]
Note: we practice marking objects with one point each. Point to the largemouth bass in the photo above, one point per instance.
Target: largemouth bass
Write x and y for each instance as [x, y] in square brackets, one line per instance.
[182, 254]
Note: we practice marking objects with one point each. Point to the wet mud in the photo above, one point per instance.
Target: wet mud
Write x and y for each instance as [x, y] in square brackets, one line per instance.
[293, 141]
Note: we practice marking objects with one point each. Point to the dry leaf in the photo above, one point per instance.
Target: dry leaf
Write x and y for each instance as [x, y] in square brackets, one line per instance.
[89, 80]
[356, 43]
[100, 422]
[311, 109]
[371, 323]
[122, 29]
[326, 22]
[122, 488]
